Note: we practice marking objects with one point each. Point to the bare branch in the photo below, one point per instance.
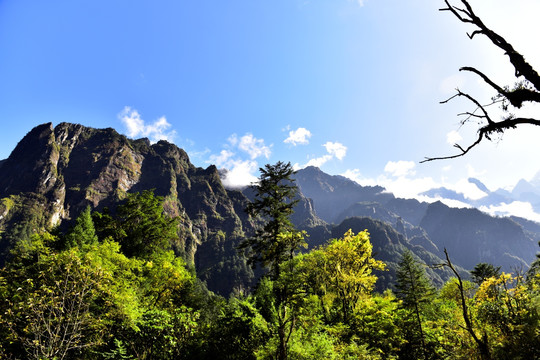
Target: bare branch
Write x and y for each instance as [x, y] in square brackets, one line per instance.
[527, 90]
[515, 97]
[484, 132]
[521, 67]
[484, 77]
[481, 343]
[463, 151]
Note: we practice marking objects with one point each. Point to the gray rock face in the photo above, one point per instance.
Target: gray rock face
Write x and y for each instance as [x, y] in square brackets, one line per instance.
[54, 173]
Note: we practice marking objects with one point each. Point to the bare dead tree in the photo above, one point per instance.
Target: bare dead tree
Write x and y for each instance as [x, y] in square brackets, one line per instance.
[525, 90]
[481, 341]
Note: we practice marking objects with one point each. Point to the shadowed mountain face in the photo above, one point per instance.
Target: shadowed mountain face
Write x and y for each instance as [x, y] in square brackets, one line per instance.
[56, 172]
[332, 194]
[474, 237]
[469, 235]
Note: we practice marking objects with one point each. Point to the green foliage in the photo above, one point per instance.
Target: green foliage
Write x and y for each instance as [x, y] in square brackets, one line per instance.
[119, 352]
[163, 334]
[94, 294]
[236, 332]
[139, 225]
[340, 273]
[48, 308]
[503, 303]
[87, 297]
[83, 233]
[413, 286]
[274, 202]
[484, 271]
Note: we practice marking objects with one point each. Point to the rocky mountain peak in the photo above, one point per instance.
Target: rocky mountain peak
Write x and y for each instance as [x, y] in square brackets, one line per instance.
[56, 172]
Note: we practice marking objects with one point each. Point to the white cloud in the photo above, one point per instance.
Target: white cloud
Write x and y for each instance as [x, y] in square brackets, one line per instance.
[517, 208]
[251, 145]
[453, 137]
[400, 168]
[240, 173]
[468, 189]
[355, 175]
[299, 136]
[471, 172]
[318, 162]
[221, 159]
[336, 149]
[407, 188]
[136, 126]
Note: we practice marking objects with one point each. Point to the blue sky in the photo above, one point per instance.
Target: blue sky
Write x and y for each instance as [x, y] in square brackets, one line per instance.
[351, 86]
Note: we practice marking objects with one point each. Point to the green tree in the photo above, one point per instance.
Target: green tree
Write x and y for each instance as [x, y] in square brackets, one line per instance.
[484, 271]
[48, 311]
[414, 290]
[139, 225]
[340, 273]
[481, 341]
[83, 233]
[236, 331]
[274, 203]
[276, 243]
[505, 305]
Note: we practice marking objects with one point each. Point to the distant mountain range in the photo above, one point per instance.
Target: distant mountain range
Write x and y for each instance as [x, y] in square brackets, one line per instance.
[55, 172]
[469, 235]
[524, 191]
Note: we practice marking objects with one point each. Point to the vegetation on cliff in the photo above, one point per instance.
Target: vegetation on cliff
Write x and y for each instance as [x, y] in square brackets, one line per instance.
[89, 293]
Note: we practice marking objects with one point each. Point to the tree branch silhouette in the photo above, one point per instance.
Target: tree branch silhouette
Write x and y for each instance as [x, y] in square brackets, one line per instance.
[525, 90]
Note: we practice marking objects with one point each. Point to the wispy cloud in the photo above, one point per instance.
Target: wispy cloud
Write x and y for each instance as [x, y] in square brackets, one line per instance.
[299, 136]
[221, 159]
[453, 137]
[251, 145]
[239, 171]
[400, 168]
[356, 175]
[136, 127]
[240, 174]
[516, 208]
[400, 179]
[318, 162]
[334, 149]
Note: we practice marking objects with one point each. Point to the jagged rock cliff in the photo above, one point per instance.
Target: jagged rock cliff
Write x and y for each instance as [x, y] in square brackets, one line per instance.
[54, 173]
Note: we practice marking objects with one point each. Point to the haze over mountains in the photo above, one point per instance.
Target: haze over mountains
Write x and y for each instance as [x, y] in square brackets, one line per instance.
[522, 200]
[55, 172]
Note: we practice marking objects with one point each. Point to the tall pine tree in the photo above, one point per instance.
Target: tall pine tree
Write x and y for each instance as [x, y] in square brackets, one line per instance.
[414, 289]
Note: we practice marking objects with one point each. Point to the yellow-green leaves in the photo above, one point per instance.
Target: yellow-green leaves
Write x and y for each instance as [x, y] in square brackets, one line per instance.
[341, 272]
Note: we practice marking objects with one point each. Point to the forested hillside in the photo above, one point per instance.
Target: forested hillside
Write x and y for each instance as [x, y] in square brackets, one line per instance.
[120, 249]
[111, 288]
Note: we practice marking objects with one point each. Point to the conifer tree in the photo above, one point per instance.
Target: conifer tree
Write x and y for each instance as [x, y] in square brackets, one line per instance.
[274, 202]
[276, 243]
[414, 289]
[483, 271]
[83, 233]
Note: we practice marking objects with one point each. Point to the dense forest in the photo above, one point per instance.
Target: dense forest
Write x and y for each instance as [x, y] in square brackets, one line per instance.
[110, 287]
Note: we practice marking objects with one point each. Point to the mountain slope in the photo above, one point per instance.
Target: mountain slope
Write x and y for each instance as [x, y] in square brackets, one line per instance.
[54, 173]
[471, 237]
[331, 195]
